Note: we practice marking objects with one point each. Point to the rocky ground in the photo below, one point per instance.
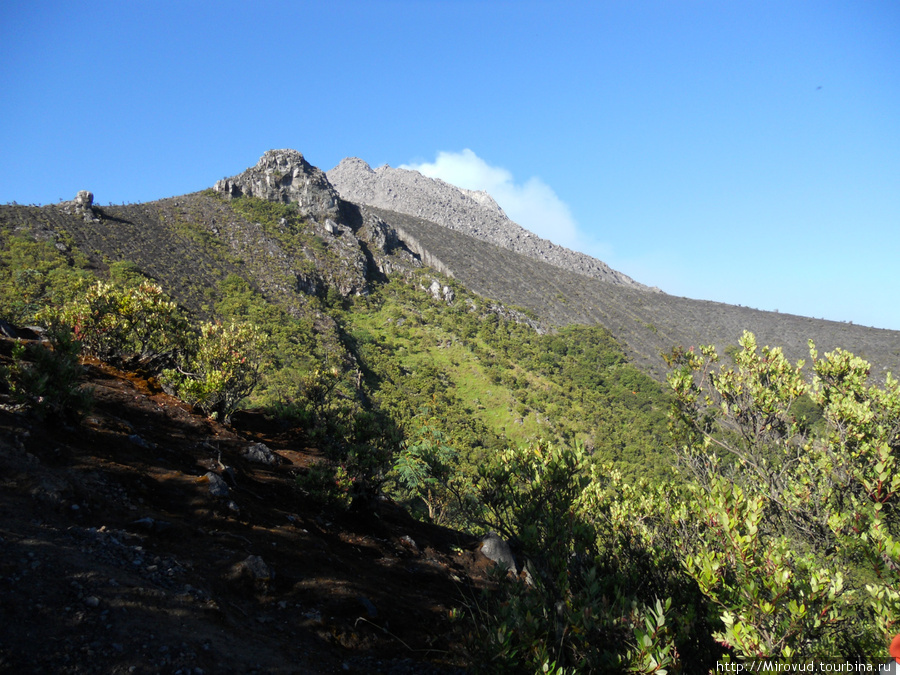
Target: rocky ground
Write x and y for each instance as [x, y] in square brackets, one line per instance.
[117, 555]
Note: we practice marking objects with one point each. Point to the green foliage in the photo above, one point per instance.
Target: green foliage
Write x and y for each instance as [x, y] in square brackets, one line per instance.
[126, 273]
[498, 382]
[222, 370]
[47, 378]
[33, 275]
[124, 325]
[327, 483]
[427, 468]
[295, 348]
[795, 541]
[566, 615]
[268, 213]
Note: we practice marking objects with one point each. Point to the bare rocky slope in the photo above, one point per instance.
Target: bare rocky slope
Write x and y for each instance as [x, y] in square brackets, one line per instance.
[472, 213]
[466, 235]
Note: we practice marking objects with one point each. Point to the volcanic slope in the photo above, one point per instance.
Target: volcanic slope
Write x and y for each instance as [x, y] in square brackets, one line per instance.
[645, 323]
[473, 213]
[327, 244]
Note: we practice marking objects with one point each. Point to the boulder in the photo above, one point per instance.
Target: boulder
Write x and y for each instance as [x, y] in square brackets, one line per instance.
[253, 568]
[494, 547]
[217, 485]
[261, 454]
[84, 199]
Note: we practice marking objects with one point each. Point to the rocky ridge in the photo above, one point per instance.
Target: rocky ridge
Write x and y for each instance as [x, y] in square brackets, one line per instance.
[285, 176]
[473, 213]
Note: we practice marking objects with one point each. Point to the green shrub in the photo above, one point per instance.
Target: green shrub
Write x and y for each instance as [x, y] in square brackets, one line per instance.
[426, 468]
[579, 610]
[327, 483]
[124, 325]
[34, 274]
[47, 378]
[796, 539]
[221, 371]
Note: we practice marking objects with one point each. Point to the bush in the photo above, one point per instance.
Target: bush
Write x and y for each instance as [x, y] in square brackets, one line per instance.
[47, 379]
[222, 370]
[124, 325]
[427, 468]
[579, 609]
[796, 527]
[34, 274]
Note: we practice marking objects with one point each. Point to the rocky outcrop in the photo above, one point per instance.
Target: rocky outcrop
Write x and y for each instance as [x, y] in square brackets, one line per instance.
[473, 213]
[84, 200]
[284, 176]
[82, 205]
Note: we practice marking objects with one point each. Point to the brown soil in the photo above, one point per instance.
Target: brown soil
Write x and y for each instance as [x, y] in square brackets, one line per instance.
[116, 558]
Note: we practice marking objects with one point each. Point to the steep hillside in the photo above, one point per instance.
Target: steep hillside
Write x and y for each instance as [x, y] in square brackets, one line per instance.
[349, 296]
[466, 235]
[647, 324]
[474, 214]
[309, 242]
[121, 553]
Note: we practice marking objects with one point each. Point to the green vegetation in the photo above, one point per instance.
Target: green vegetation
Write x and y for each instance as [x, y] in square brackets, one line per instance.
[221, 370]
[126, 325]
[796, 542]
[749, 511]
[34, 275]
[47, 378]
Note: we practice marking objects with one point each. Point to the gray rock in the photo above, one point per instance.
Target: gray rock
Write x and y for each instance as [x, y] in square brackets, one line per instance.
[377, 233]
[409, 543]
[141, 442]
[435, 289]
[474, 213]
[261, 454]
[254, 567]
[217, 486]
[84, 199]
[284, 176]
[493, 547]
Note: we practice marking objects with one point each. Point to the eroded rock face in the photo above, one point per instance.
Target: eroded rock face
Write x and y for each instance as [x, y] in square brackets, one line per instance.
[474, 213]
[284, 176]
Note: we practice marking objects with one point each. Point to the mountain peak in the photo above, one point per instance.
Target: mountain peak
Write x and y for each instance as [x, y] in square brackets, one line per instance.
[285, 176]
[354, 164]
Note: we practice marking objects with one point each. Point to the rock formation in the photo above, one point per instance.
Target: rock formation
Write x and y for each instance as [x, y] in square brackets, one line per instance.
[473, 213]
[284, 176]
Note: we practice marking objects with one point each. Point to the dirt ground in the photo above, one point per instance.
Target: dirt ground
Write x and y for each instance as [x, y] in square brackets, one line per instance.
[116, 556]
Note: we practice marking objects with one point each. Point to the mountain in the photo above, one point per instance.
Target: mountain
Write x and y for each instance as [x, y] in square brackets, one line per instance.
[472, 213]
[407, 372]
[451, 226]
[360, 225]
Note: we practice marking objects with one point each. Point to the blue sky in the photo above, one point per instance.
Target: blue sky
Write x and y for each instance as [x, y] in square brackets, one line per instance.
[746, 152]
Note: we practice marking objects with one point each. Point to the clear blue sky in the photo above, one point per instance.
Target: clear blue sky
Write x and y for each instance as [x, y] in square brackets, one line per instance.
[747, 152]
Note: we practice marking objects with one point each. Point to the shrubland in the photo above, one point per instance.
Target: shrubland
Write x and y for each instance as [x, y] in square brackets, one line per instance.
[750, 510]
